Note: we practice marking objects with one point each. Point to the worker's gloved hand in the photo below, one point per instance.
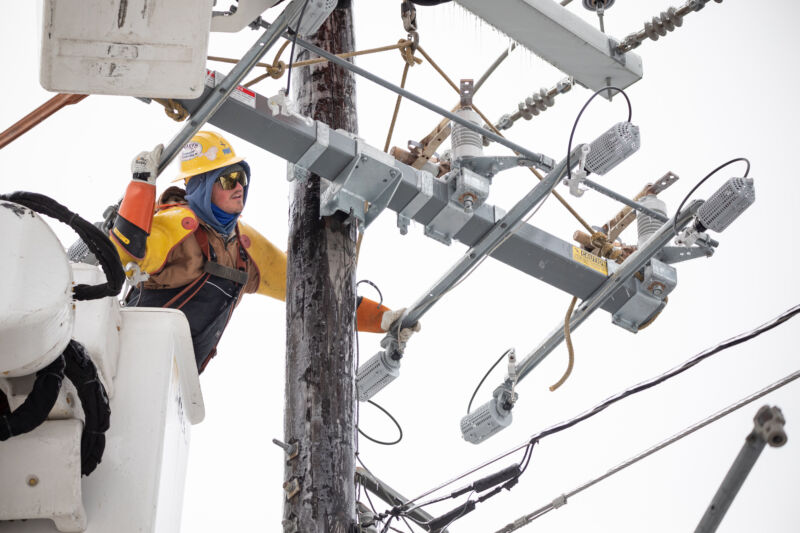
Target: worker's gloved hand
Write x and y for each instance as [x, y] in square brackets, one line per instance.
[145, 165]
[404, 334]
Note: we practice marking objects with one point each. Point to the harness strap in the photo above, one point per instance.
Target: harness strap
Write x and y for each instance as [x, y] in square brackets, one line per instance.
[215, 269]
[201, 280]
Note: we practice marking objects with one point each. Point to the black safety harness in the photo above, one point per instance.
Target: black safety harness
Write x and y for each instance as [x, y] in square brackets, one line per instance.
[207, 302]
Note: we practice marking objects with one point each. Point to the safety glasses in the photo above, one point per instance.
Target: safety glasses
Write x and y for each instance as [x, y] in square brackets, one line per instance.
[229, 180]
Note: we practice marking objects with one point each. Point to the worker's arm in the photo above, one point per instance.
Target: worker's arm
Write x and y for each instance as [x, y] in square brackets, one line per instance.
[135, 217]
[369, 315]
[270, 263]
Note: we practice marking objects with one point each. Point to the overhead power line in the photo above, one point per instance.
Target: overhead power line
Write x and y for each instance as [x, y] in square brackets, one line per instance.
[729, 343]
[563, 498]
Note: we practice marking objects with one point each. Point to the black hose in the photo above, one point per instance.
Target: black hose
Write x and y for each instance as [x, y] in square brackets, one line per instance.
[38, 404]
[82, 373]
[97, 242]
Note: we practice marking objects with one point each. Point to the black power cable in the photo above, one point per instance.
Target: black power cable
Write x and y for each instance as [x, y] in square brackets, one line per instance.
[534, 439]
[486, 375]
[575, 125]
[376, 441]
[97, 242]
[294, 42]
[699, 183]
[644, 385]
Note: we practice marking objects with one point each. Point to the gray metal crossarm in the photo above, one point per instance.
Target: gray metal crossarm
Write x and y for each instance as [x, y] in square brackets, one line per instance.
[418, 196]
[626, 271]
[561, 38]
[488, 242]
[624, 200]
[495, 415]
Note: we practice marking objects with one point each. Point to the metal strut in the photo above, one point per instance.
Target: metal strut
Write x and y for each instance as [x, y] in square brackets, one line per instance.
[541, 161]
[214, 100]
[767, 429]
[491, 240]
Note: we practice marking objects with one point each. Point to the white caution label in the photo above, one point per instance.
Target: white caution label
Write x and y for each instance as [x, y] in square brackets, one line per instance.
[211, 78]
[244, 95]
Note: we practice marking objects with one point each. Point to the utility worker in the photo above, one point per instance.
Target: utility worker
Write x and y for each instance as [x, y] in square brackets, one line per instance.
[199, 256]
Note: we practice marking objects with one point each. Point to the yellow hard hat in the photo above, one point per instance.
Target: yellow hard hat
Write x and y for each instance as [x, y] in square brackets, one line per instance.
[206, 151]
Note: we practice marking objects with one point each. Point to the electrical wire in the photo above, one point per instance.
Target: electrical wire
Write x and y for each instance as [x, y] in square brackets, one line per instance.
[570, 349]
[294, 42]
[385, 443]
[699, 183]
[644, 385]
[728, 343]
[368, 282]
[463, 512]
[661, 445]
[575, 125]
[486, 375]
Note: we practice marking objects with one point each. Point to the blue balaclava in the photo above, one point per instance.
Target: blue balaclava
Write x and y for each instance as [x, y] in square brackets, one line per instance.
[198, 194]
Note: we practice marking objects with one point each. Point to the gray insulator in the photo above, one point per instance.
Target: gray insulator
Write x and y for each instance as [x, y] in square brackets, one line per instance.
[646, 225]
[725, 205]
[657, 27]
[504, 123]
[466, 142]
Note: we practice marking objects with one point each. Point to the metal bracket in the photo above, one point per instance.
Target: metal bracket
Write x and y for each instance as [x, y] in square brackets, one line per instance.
[292, 450]
[366, 185]
[616, 55]
[676, 254]
[291, 488]
[299, 170]
[135, 274]
[659, 280]
[465, 92]
[489, 166]
[424, 194]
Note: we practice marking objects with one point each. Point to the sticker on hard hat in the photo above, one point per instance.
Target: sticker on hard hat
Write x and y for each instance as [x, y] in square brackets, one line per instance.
[211, 153]
[590, 260]
[191, 150]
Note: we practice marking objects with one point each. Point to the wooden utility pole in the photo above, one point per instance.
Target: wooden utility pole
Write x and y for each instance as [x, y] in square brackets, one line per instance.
[320, 315]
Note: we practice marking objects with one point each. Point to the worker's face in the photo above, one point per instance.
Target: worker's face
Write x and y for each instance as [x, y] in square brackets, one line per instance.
[231, 201]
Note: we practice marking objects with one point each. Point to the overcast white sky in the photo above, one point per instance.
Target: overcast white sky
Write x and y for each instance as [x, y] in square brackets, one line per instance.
[722, 86]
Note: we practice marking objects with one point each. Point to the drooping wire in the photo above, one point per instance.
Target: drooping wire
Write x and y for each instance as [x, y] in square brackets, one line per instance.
[294, 42]
[380, 294]
[385, 443]
[486, 375]
[575, 125]
[728, 343]
[644, 385]
[699, 183]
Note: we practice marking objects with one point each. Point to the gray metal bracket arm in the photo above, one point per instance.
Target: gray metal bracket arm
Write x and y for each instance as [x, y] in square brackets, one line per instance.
[493, 416]
[489, 166]
[767, 429]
